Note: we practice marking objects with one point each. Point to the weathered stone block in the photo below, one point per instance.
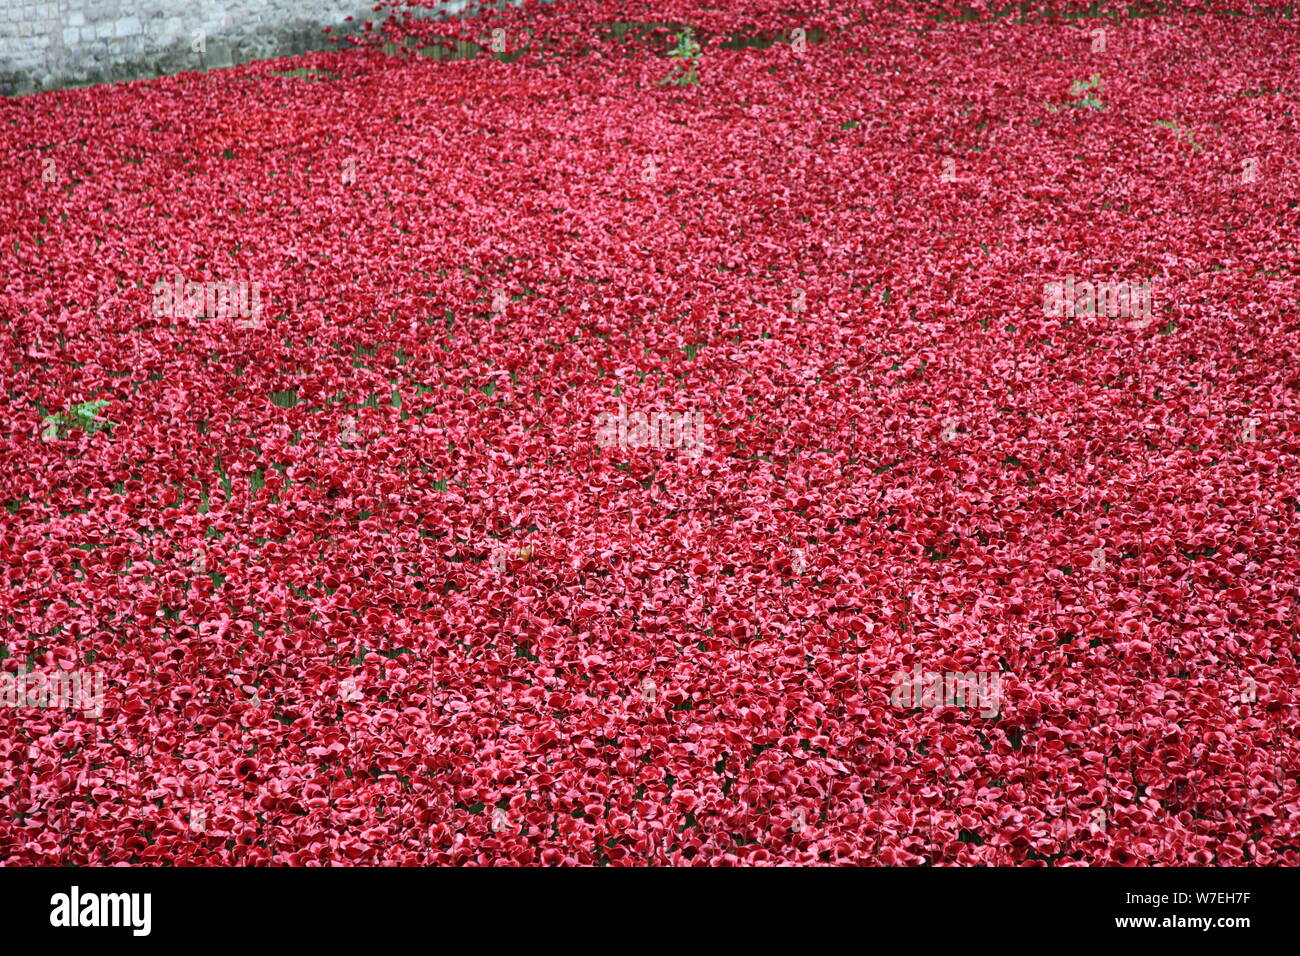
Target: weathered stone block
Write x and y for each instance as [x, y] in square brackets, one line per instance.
[217, 56]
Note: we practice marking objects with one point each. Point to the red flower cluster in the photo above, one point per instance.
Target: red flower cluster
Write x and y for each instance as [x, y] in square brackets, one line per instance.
[621, 471]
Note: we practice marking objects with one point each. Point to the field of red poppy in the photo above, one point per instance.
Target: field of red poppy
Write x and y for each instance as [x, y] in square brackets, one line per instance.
[865, 434]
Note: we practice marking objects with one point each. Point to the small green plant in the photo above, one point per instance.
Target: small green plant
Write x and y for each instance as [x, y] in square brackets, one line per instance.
[1185, 133]
[687, 54]
[84, 415]
[1089, 101]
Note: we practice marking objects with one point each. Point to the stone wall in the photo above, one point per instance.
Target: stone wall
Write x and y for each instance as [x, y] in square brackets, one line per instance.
[45, 44]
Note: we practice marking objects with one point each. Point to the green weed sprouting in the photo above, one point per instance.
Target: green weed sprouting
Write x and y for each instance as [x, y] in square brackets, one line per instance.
[687, 53]
[1090, 101]
[1082, 91]
[84, 415]
[1187, 134]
